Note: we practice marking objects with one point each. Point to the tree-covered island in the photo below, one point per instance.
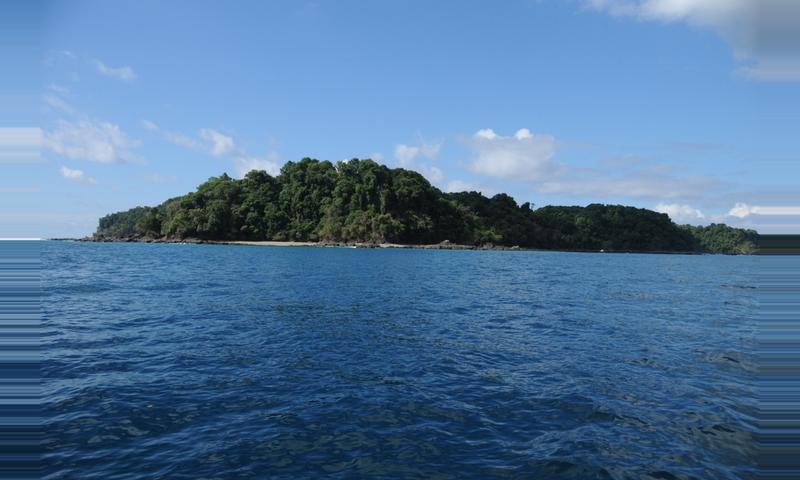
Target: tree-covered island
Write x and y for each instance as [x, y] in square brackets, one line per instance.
[361, 201]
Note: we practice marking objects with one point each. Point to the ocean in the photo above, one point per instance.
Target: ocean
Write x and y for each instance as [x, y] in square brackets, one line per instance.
[222, 361]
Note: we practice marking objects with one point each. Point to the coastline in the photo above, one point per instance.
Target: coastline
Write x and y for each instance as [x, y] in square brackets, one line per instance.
[281, 243]
[435, 246]
[446, 245]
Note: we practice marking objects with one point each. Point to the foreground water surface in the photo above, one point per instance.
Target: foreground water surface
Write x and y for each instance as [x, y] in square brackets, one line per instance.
[217, 362]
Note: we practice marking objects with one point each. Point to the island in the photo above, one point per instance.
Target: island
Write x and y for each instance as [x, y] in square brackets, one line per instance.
[361, 202]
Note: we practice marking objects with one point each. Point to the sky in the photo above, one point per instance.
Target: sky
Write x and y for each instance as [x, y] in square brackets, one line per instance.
[687, 107]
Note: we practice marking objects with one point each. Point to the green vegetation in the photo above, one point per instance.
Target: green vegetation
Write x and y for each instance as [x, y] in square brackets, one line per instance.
[719, 238]
[362, 201]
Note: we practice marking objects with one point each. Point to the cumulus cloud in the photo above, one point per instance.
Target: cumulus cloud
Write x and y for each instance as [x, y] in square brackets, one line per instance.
[246, 163]
[681, 214]
[523, 156]
[743, 210]
[765, 219]
[76, 175]
[431, 172]
[530, 157]
[125, 72]
[763, 34]
[83, 137]
[406, 154]
[407, 157]
[96, 141]
[219, 144]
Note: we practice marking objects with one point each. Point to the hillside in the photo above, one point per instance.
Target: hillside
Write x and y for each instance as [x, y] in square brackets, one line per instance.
[362, 201]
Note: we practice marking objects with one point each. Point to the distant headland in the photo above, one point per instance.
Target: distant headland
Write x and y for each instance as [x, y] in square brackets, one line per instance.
[360, 202]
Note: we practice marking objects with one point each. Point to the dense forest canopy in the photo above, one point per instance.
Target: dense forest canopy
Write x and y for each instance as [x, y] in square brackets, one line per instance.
[363, 201]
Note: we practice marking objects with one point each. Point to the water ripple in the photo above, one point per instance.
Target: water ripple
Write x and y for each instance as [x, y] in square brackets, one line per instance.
[223, 362]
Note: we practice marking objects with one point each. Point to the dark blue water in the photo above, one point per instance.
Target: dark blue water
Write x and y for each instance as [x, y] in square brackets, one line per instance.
[217, 362]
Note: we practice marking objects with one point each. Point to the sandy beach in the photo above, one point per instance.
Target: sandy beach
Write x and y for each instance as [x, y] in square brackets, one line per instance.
[271, 243]
[435, 246]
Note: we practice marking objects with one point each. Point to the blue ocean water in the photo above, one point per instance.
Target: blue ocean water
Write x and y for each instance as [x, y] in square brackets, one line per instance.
[218, 362]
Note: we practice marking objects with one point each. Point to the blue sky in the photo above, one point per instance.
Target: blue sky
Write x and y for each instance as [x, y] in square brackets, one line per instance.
[688, 107]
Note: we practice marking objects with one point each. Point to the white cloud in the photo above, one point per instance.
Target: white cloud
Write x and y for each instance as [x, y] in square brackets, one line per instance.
[244, 164]
[377, 156]
[405, 154]
[681, 214]
[147, 124]
[76, 175]
[58, 103]
[530, 157]
[214, 143]
[486, 133]
[83, 137]
[743, 210]
[458, 186]
[699, 12]
[765, 219]
[125, 72]
[433, 174]
[762, 33]
[523, 156]
[523, 134]
[54, 98]
[208, 141]
[430, 150]
[97, 141]
[181, 140]
[172, 137]
[220, 144]
[740, 210]
[461, 186]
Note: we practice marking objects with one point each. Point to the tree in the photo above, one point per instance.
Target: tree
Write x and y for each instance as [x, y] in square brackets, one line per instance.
[363, 201]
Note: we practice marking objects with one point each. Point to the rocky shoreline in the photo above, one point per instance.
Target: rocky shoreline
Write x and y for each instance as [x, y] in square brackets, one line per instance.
[445, 245]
